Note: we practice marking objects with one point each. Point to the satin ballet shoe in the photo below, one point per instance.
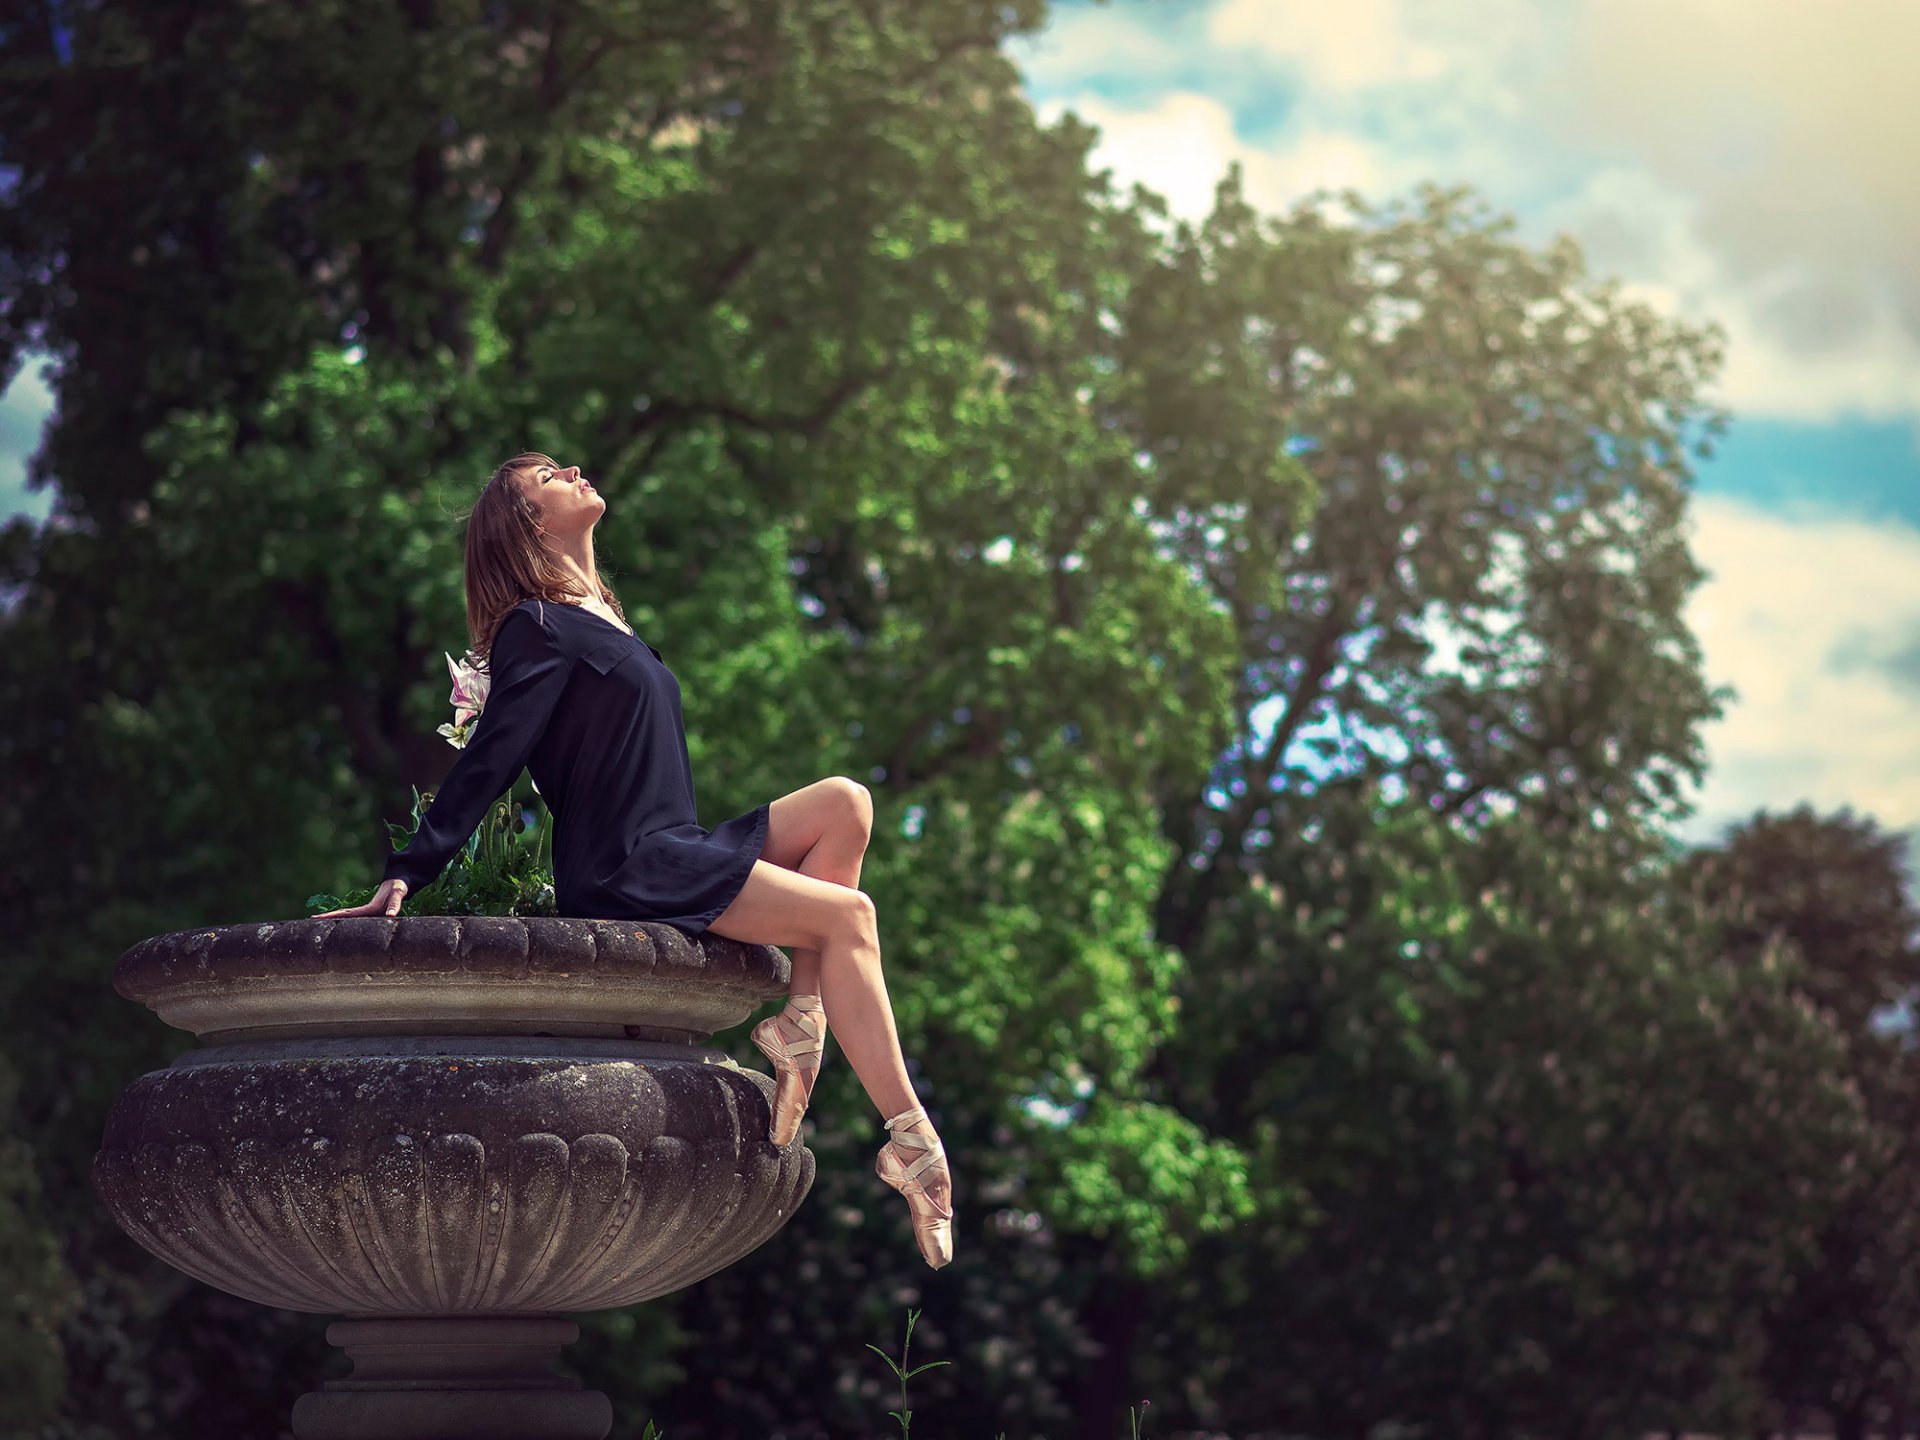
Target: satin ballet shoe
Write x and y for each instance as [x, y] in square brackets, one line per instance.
[932, 1226]
[794, 1061]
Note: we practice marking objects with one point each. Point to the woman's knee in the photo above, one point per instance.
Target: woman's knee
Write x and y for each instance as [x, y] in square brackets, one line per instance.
[858, 919]
[858, 801]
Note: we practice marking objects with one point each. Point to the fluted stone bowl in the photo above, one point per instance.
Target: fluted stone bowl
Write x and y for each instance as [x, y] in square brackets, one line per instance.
[449, 1117]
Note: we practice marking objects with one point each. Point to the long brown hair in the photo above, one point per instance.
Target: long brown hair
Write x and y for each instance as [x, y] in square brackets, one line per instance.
[506, 562]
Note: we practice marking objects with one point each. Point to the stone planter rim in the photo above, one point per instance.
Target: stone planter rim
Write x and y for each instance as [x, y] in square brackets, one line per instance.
[367, 974]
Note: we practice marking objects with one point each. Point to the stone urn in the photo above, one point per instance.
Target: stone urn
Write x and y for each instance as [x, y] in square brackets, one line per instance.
[450, 1131]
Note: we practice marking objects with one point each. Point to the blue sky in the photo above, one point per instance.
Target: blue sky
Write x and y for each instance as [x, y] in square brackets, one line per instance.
[1727, 161]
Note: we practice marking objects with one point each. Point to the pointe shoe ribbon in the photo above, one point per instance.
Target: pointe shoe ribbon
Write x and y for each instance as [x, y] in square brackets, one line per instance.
[932, 1225]
[806, 1014]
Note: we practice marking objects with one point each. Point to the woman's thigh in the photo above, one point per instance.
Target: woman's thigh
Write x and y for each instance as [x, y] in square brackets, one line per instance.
[836, 808]
[778, 906]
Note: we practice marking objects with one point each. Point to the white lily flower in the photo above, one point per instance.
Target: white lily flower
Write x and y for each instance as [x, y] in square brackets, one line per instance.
[470, 689]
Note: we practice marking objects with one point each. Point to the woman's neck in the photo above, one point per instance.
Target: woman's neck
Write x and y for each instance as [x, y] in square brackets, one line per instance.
[585, 585]
[575, 559]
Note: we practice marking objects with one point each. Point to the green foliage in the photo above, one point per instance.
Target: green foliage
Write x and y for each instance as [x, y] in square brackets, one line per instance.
[505, 867]
[1549, 1141]
[903, 1415]
[41, 1292]
[1829, 894]
[1149, 1180]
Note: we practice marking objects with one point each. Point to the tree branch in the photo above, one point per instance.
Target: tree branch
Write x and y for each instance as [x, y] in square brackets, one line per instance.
[1185, 904]
[500, 224]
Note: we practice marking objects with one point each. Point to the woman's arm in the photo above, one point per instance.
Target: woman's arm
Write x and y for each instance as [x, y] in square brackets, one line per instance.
[529, 672]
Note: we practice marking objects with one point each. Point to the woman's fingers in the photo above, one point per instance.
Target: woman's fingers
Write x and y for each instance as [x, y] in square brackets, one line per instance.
[386, 901]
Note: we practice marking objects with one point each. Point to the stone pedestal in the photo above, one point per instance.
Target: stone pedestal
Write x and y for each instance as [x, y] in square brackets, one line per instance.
[450, 1131]
[475, 1378]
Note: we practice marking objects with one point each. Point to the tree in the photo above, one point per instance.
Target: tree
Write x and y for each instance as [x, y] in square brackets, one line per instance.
[1498, 444]
[1558, 1152]
[1843, 1337]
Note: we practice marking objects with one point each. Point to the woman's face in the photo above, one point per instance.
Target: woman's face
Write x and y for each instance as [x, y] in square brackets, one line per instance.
[568, 505]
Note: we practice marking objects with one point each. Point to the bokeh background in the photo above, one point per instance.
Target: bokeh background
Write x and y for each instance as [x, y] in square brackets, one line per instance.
[1369, 557]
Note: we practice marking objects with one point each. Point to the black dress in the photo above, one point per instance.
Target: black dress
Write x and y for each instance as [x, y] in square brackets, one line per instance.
[594, 714]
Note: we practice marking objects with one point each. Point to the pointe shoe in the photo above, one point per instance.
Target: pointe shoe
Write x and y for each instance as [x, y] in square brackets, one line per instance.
[790, 1060]
[932, 1226]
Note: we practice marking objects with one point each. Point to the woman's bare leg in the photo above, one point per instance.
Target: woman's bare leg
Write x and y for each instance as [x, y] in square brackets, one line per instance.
[821, 830]
[784, 907]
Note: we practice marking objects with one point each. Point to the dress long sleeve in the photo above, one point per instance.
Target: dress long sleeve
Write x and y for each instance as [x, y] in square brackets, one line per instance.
[529, 671]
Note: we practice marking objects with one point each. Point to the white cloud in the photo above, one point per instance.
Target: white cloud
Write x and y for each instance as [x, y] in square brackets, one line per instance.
[1804, 342]
[1780, 124]
[1820, 716]
[1180, 148]
[1735, 162]
[1875, 372]
[1354, 45]
[1090, 43]
[1786, 118]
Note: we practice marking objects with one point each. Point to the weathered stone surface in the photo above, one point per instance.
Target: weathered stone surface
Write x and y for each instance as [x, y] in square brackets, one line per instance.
[448, 1183]
[450, 1129]
[453, 1379]
[435, 974]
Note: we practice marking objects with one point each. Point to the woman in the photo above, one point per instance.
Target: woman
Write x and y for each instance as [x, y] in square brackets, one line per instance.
[593, 711]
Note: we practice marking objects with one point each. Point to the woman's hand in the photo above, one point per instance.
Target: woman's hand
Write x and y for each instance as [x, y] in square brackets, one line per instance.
[386, 901]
